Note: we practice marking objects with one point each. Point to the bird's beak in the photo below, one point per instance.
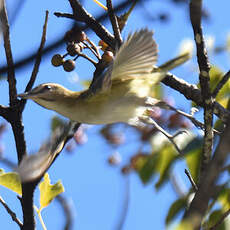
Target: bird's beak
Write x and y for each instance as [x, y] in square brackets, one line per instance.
[25, 95]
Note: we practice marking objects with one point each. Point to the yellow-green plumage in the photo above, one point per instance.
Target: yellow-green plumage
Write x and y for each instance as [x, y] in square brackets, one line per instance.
[125, 99]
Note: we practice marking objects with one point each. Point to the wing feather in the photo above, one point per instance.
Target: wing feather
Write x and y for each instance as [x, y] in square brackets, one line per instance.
[136, 56]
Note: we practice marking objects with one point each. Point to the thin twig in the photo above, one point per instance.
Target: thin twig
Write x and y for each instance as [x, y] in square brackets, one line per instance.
[149, 120]
[88, 58]
[220, 221]
[67, 211]
[164, 105]
[125, 206]
[64, 15]
[191, 92]
[39, 56]
[94, 47]
[12, 214]
[91, 49]
[80, 14]
[195, 188]
[38, 59]
[58, 42]
[114, 22]
[9, 57]
[220, 84]
[204, 67]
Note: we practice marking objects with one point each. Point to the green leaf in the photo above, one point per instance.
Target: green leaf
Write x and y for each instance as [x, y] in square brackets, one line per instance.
[147, 170]
[11, 181]
[184, 225]
[214, 217]
[193, 157]
[175, 208]
[56, 122]
[224, 199]
[219, 125]
[48, 192]
[166, 158]
[215, 76]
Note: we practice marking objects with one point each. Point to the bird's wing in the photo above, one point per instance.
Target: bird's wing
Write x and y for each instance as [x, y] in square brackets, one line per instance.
[135, 58]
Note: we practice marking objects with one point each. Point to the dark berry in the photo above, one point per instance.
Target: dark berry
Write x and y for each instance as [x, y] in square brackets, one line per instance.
[69, 65]
[73, 49]
[57, 60]
[107, 56]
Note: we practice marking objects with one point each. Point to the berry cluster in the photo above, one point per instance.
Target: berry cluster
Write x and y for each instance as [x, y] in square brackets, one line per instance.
[76, 41]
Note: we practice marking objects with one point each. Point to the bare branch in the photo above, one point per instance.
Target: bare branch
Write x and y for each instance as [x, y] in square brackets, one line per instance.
[9, 57]
[82, 15]
[204, 67]
[12, 214]
[37, 61]
[191, 92]
[24, 61]
[199, 204]
[39, 56]
[67, 211]
[149, 120]
[64, 15]
[114, 22]
[125, 206]
[195, 188]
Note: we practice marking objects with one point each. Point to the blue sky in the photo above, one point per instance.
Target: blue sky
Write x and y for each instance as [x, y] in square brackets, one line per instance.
[94, 189]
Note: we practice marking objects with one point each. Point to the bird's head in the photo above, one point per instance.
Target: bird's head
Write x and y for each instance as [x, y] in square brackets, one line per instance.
[48, 95]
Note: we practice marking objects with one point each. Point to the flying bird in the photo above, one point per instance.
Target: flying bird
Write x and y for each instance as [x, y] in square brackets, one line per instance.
[120, 94]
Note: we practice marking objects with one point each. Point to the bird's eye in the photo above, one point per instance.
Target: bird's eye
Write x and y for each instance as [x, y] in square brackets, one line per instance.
[47, 87]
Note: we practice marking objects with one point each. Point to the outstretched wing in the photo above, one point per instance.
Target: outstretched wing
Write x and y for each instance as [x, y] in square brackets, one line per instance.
[135, 58]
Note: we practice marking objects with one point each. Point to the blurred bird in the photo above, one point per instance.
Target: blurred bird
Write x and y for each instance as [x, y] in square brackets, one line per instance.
[119, 94]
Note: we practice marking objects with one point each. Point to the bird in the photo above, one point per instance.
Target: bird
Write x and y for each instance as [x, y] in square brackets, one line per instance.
[120, 94]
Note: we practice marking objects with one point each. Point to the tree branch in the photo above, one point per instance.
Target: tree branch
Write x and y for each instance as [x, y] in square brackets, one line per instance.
[9, 57]
[12, 214]
[38, 59]
[114, 23]
[191, 92]
[194, 186]
[204, 67]
[199, 204]
[80, 14]
[67, 211]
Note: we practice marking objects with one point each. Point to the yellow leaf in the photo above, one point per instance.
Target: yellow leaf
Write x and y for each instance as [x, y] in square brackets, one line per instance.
[48, 191]
[11, 181]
